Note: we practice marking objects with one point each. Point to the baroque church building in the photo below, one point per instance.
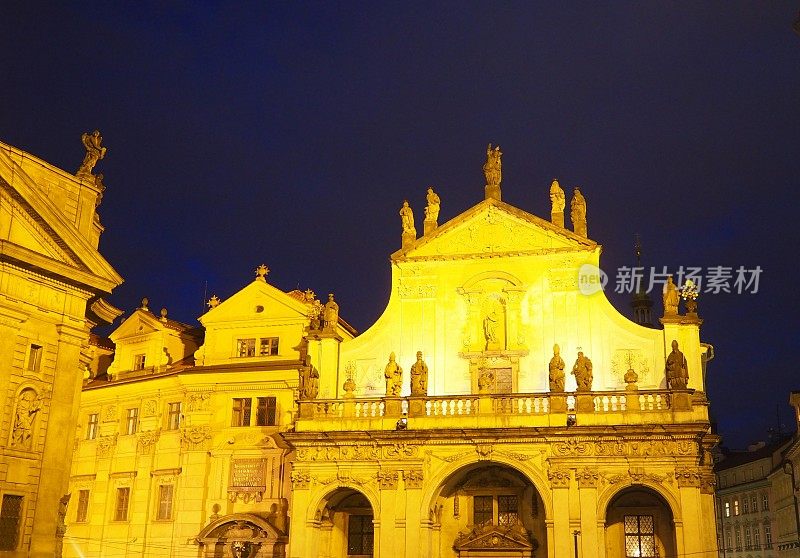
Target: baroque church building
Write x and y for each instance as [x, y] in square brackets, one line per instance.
[499, 407]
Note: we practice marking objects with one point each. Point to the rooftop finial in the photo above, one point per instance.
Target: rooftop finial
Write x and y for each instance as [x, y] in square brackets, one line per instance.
[493, 172]
[213, 302]
[145, 302]
[164, 314]
[261, 272]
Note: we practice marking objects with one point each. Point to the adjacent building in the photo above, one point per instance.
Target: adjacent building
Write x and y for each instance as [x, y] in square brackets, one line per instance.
[53, 282]
[500, 406]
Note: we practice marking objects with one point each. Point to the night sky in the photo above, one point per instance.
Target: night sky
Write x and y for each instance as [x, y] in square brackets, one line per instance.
[289, 134]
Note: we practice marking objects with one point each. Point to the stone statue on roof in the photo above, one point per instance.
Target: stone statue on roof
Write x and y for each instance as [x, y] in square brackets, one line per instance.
[492, 168]
[94, 152]
[558, 201]
[578, 213]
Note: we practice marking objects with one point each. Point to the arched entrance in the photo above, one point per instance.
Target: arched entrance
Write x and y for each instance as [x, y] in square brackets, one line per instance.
[488, 510]
[241, 535]
[346, 525]
[639, 524]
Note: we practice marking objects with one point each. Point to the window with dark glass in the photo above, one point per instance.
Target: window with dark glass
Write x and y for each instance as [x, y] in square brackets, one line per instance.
[265, 413]
[640, 539]
[34, 358]
[507, 510]
[482, 511]
[138, 362]
[360, 535]
[173, 416]
[165, 492]
[268, 346]
[241, 411]
[83, 506]
[246, 347]
[91, 426]
[121, 508]
[10, 518]
[132, 421]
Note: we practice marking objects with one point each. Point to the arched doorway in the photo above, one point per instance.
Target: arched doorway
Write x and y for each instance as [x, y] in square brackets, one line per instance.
[347, 529]
[488, 510]
[639, 524]
[242, 535]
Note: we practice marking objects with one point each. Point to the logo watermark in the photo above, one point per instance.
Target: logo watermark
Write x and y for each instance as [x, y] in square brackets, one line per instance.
[591, 279]
[707, 280]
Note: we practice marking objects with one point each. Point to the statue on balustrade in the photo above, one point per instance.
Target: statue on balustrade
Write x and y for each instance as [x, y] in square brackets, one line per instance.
[331, 314]
[432, 209]
[670, 298]
[583, 373]
[394, 377]
[556, 370]
[677, 369]
[419, 377]
[309, 382]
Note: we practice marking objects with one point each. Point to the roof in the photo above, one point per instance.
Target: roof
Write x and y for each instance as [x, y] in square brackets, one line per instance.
[735, 458]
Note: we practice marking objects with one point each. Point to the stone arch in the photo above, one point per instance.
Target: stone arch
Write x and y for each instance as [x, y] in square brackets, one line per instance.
[320, 499]
[536, 478]
[24, 414]
[244, 535]
[503, 275]
[608, 495]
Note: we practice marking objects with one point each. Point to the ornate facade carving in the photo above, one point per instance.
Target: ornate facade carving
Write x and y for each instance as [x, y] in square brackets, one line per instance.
[559, 478]
[387, 480]
[110, 413]
[148, 439]
[301, 479]
[587, 477]
[105, 444]
[248, 479]
[150, 408]
[635, 448]
[687, 476]
[413, 478]
[195, 437]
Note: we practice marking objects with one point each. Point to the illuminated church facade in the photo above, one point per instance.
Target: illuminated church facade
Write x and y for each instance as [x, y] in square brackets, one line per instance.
[500, 406]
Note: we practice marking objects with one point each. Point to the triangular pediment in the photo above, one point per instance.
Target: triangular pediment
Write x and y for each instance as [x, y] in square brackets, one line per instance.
[35, 229]
[257, 301]
[139, 323]
[494, 227]
[494, 537]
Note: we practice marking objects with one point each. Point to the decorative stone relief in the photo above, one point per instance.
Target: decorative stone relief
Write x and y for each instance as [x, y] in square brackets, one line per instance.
[688, 477]
[627, 359]
[559, 478]
[148, 439]
[198, 401]
[484, 451]
[387, 480]
[637, 475]
[150, 408]
[247, 480]
[636, 448]
[110, 413]
[343, 477]
[105, 444]
[587, 477]
[413, 478]
[300, 479]
[416, 291]
[194, 437]
[28, 406]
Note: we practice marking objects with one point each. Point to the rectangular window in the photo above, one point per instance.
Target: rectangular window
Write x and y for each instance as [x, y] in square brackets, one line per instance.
[132, 421]
[482, 511]
[764, 502]
[748, 539]
[10, 518]
[174, 416]
[507, 510]
[83, 506]
[727, 509]
[241, 412]
[738, 538]
[165, 492]
[91, 426]
[138, 362]
[34, 358]
[360, 535]
[745, 505]
[728, 541]
[640, 539]
[754, 504]
[268, 346]
[246, 347]
[768, 535]
[121, 509]
[736, 507]
[757, 537]
[265, 413]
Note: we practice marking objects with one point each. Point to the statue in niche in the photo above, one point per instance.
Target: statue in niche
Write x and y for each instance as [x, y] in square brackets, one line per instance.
[490, 330]
[419, 377]
[432, 209]
[677, 369]
[28, 405]
[485, 381]
[331, 313]
[557, 370]
[94, 152]
[394, 377]
[309, 382]
[670, 298]
[578, 212]
[558, 203]
[407, 219]
[583, 372]
[492, 168]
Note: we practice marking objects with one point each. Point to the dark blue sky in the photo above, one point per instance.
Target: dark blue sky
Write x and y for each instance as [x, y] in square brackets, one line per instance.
[290, 133]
